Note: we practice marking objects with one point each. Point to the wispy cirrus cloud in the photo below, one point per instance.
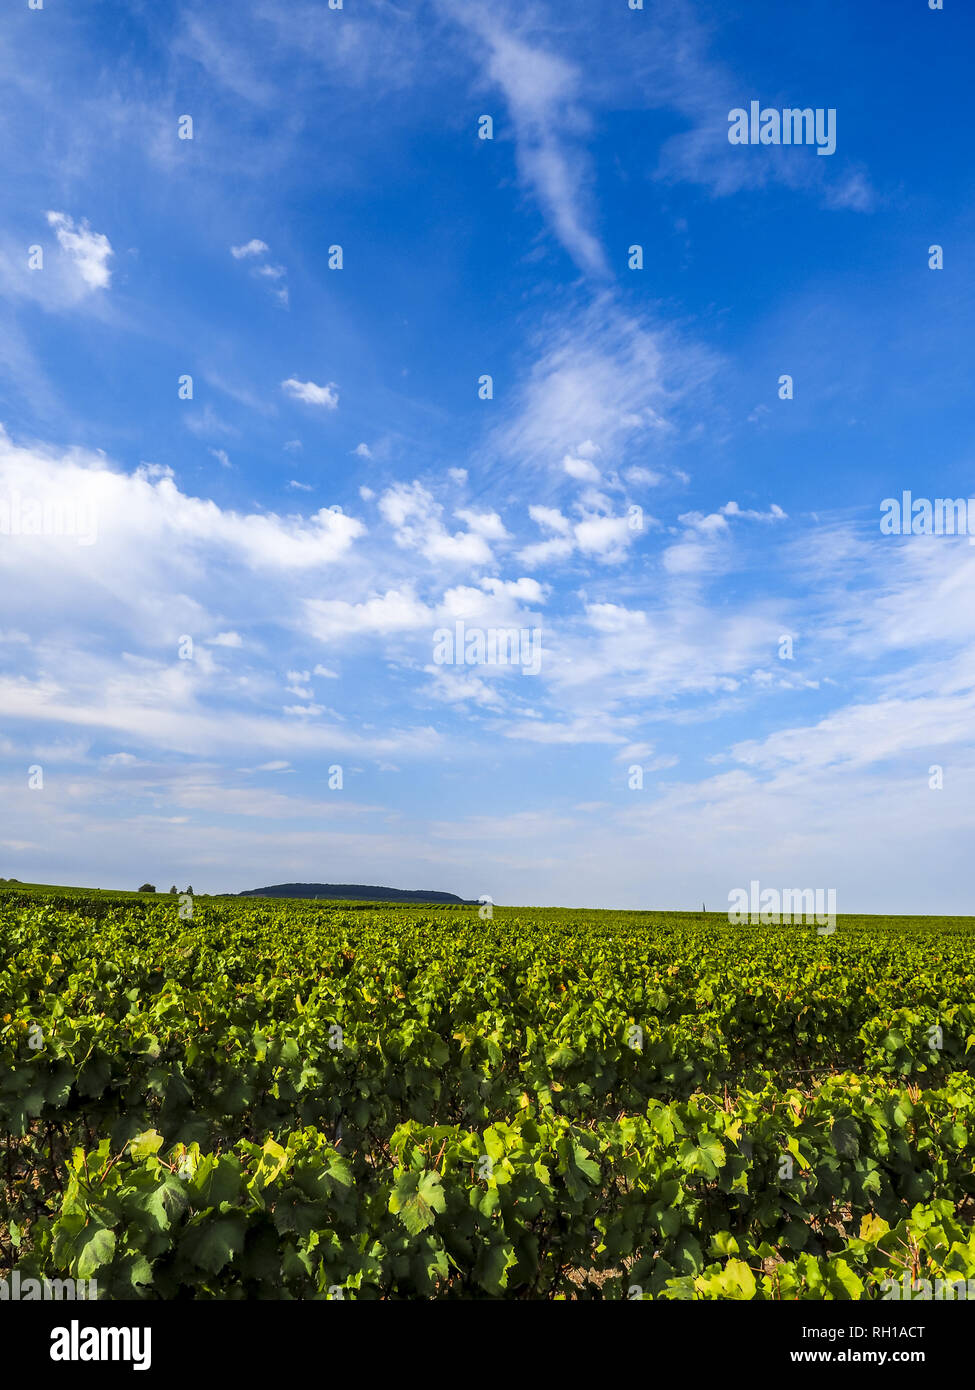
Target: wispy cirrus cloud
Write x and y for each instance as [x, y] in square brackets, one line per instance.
[544, 93]
[598, 381]
[255, 251]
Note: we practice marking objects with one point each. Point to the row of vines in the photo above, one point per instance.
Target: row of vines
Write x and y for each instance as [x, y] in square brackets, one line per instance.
[296, 1100]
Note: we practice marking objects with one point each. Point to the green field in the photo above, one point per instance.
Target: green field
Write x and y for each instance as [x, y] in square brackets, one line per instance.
[315, 1100]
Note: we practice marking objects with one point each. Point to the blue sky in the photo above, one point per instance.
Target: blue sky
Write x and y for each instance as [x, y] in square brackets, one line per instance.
[335, 492]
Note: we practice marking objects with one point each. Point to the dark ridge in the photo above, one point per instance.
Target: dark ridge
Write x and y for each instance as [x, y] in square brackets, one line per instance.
[351, 892]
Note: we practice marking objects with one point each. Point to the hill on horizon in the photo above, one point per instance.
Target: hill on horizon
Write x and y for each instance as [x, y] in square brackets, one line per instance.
[352, 891]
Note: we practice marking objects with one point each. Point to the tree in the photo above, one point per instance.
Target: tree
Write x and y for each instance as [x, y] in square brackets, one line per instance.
[190, 891]
[147, 888]
[174, 890]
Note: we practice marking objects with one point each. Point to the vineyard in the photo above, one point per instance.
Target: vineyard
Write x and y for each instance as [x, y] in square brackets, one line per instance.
[309, 1101]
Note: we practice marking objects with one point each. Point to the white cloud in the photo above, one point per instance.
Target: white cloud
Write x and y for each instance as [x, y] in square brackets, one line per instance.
[249, 248]
[599, 534]
[363, 451]
[522, 590]
[254, 250]
[606, 537]
[551, 518]
[593, 729]
[311, 394]
[868, 734]
[704, 548]
[775, 512]
[415, 517]
[581, 469]
[493, 602]
[89, 250]
[392, 612]
[454, 685]
[486, 524]
[145, 522]
[621, 657]
[165, 712]
[643, 477]
[546, 552]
